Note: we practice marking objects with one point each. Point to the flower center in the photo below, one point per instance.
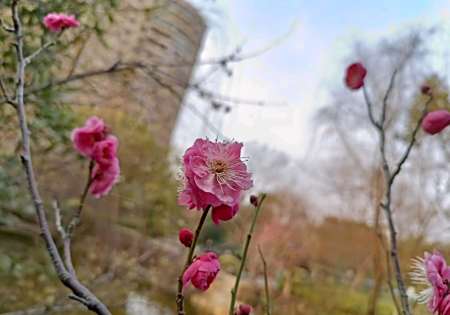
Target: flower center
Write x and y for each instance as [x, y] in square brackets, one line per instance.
[218, 166]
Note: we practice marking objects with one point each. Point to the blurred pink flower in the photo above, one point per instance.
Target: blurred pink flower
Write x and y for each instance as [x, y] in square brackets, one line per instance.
[433, 272]
[214, 175]
[244, 309]
[56, 22]
[105, 151]
[186, 236]
[104, 176]
[354, 77]
[436, 121]
[202, 272]
[92, 140]
[85, 138]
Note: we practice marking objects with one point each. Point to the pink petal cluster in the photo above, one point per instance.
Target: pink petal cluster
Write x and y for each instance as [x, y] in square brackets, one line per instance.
[436, 121]
[354, 76]
[216, 176]
[244, 309]
[93, 141]
[186, 237]
[57, 22]
[438, 274]
[202, 272]
[432, 270]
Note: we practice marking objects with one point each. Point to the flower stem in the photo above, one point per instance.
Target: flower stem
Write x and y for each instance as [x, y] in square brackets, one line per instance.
[266, 283]
[77, 216]
[234, 291]
[180, 296]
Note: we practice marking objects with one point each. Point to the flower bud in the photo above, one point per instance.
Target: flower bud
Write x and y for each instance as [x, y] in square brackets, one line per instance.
[186, 236]
[354, 77]
[436, 121]
[202, 272]
[426, 90]
[254, 200]
[244, 309]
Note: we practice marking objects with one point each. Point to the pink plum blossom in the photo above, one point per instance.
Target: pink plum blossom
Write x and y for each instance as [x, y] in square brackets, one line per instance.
[202, 272]
[436, 121]
[186, 237]
[105, 151]
[214, 175]
[432, 271]
[56, 22]
[354, 77]
[104, 177]
[85, 138]
[93, 141]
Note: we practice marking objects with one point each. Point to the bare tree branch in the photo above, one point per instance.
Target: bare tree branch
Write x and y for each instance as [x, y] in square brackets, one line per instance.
[370, 108]
[412, 141]
[116, 67]
[8, 99]
[68, 279]
[389, 178]
[6, 27]
[41, 49]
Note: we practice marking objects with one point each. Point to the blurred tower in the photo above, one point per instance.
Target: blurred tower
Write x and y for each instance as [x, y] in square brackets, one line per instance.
[165, 36]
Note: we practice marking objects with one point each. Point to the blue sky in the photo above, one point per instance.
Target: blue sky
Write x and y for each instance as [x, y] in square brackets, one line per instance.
[301, 69]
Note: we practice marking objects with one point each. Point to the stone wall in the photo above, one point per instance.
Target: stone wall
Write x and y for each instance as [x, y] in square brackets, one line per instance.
[165, 36]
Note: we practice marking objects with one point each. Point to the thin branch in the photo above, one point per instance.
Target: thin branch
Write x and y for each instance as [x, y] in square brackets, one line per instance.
[190, 106]
[58, 221]
[6, 27]
[205, 93]
[386, 97]
[65, 237]
[75, 222]
[235, 289]
[41, 49]
[389, 178]
[190, 256]
[412, 141]
[77, 216]
[8, 99]
[116, 67]
[69, 280]
[370, 108]
[266, 283]
[389, 273]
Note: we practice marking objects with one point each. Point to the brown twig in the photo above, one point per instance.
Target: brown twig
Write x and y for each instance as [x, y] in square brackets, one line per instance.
[389, 272]
[6, 27]
[116, 67]
[6, 98]
[234, 290]
[389, 177]
[41, 49]
[268, 306]
[68, 279]
[190, 256]
[77, 216]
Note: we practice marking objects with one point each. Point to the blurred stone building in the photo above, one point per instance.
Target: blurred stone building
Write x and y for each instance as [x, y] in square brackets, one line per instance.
[162, 38]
